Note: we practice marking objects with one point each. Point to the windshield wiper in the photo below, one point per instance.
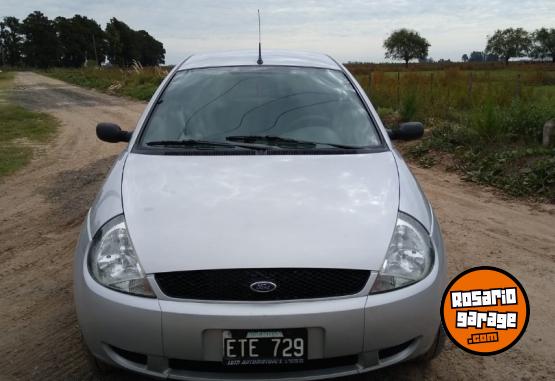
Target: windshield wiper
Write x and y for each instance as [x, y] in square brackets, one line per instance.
[198, 144]
[278, 140]
[268, 139]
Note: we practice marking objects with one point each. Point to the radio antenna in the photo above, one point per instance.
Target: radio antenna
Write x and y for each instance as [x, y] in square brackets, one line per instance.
[260, 62]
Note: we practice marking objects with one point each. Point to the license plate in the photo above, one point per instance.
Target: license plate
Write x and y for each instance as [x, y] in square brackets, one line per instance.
[265, 347]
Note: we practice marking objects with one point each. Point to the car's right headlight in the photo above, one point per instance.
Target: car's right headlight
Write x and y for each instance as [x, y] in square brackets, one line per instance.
[409, 258]
[112, 260]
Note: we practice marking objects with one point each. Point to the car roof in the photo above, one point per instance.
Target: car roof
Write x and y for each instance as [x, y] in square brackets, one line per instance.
[249, 58]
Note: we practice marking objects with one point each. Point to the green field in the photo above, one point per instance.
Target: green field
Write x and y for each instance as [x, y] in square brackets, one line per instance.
[138, 83]
[486, 117]
[20, 130]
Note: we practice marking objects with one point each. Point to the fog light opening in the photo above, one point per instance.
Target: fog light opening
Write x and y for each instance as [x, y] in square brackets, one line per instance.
[385, 353]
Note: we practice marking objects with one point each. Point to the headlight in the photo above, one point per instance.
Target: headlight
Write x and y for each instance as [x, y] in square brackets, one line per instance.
[409, 258]
[113, 262]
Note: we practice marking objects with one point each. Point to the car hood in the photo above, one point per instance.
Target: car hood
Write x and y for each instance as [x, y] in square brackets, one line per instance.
[244, 211]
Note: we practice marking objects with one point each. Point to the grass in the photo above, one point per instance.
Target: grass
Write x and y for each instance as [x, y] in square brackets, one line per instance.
[137, 83]
[485, 120]
[19, 130]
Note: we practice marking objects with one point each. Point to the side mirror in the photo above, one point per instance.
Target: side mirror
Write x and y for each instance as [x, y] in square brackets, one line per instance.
[112, 133]
[407, 131]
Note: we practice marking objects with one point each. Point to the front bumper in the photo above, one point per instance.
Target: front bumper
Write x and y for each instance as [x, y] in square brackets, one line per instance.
[183, 339]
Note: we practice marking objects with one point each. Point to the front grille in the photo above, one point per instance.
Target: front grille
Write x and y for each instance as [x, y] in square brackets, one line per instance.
[235, 284]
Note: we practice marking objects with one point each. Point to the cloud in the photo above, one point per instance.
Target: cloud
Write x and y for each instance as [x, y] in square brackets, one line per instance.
[349, 30]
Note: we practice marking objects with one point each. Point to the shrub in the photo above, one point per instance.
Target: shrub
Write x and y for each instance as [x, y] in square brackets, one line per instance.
[519, 172]
[487, 121]
[518, 168]
[525, 120]
[409, 106]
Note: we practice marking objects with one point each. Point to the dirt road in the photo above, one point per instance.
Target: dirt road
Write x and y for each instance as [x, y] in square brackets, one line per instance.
[42, 206]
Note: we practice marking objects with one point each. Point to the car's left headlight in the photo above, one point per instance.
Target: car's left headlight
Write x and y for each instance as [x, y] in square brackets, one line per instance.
[409, 258]
[112, 260]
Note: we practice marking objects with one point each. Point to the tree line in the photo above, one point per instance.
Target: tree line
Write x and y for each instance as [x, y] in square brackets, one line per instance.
[40, 42]
[517, 42]
[404, 44]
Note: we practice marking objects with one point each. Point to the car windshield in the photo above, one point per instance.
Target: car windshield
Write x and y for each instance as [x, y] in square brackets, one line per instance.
[253, 107]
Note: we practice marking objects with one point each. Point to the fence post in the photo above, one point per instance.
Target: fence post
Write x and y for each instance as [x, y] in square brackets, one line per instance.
[470, 85]
[517, 90]
[548, 129]
[431, 88]
[398, 90]
[447, 98]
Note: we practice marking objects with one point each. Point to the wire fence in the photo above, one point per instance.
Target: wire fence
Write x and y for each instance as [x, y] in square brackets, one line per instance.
[450, 91]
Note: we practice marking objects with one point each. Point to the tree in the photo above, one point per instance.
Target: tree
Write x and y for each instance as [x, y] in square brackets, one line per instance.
[476, 57]
[81, 39]
[152, 51]
[126, 45]
[40, 42]
[509, 43]
[465, 57]
[10, 41]
[404, 44]
[115, 44]
[41, 47]
[122, 49]
[544, 44]
[72, 49]
[492, 57]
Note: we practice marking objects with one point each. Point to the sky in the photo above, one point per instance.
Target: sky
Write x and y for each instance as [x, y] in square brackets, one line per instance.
[348, 30]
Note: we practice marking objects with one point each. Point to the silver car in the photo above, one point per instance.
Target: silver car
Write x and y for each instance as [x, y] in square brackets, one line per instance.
[259, 225]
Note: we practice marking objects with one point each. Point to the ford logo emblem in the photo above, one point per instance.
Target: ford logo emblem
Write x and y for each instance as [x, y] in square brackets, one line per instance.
[263, 286]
